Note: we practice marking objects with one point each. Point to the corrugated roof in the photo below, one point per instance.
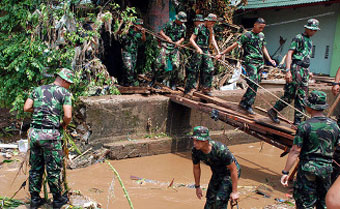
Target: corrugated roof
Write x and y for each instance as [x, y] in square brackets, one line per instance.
[256, 4]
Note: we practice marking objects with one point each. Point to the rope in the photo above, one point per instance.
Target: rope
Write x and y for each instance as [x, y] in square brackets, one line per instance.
[230, 68]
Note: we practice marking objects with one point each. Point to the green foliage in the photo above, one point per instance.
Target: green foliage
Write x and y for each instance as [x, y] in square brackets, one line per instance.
[30, 51]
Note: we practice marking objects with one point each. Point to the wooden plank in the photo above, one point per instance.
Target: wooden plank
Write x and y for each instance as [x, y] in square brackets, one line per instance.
[282, 126]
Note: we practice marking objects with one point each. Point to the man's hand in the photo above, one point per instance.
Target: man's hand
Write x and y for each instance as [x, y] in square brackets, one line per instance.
[288, 77]
[272, 62]
[284, 180]
[218, 56]
[335, 89]
[199, 193]
[234, 196]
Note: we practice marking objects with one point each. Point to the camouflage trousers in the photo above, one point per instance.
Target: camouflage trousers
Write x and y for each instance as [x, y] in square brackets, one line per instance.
[162, 75]
[219, 190]
[129, 67]
[45, 152]
[202, 66]
[254, 74]
[297, 90]
[310, 189]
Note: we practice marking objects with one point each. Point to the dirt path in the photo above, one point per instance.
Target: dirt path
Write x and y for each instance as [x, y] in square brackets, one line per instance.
[258, 168]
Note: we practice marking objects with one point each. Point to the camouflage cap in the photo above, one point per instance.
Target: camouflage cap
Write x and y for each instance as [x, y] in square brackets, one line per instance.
[138, 21]
[66, 75]
[201, 133]
[198, 18]
[211, 17]
[312, 24]
[181, 16]
[317, 100]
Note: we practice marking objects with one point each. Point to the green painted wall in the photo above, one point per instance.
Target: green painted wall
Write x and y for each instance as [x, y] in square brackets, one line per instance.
[335, 64]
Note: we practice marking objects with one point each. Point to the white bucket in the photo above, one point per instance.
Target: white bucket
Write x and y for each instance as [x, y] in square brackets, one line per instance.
[23, 145]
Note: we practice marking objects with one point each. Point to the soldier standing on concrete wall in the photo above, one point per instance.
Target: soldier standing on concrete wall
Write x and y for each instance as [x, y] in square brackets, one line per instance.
[254, 46]
[47, 103]
[297, 73]
[129, 51]
[314, 145]
[174, 33]
[224, 166]
[201, 63]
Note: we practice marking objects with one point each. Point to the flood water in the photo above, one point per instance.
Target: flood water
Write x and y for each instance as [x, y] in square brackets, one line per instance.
[259, 167]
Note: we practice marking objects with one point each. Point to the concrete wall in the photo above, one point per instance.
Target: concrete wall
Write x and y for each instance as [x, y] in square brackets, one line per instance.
[289, 27]
[131, 117]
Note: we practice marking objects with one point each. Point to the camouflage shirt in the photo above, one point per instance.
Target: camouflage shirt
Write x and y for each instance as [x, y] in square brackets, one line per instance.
[48, 104]
[317, 138]
[302, 46]
[202, 36]
[252, 44]
[130, 40]
[218, 158]
[174, 31]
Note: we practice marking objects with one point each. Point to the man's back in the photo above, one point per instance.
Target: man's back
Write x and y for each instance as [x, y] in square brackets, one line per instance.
[317, 138]
[48, 105]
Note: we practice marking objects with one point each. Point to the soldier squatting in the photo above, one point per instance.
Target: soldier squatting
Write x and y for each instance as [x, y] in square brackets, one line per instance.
[314, 143]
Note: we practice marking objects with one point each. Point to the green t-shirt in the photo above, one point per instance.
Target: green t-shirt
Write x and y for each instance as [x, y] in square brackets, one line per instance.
[48, 104]
[317, 138]
[218, 158]
[174, 31]
[252, 44]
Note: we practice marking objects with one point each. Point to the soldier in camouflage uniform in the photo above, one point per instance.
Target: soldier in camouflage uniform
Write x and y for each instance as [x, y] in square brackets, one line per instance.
[297, 73]
[224, 166]
[254, 47]
[314, 144]
[201, 63]
[48, 103]
[129, 52]
[174, 33]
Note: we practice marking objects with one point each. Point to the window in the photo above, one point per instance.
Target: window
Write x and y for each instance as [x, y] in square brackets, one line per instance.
[327, 52]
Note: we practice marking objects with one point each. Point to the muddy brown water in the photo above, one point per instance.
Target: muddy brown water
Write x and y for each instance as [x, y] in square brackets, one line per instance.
[259, 167]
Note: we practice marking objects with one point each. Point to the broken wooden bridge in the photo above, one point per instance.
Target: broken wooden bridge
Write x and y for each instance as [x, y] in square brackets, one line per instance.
[260, 126]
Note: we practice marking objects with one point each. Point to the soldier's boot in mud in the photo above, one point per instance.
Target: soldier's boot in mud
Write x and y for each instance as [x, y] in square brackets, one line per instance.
[59, 201]
[273, 115]
[36, 200]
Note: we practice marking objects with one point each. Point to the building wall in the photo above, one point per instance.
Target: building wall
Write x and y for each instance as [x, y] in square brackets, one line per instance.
[320, 64]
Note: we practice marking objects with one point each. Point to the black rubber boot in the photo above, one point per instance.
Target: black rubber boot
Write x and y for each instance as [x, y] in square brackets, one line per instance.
[273, 115]
[59, 201]
[246, 108]
[36, 200]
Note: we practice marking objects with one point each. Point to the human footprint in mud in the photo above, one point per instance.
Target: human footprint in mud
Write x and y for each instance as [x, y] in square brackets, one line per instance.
[224, 166]
[47, 103]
